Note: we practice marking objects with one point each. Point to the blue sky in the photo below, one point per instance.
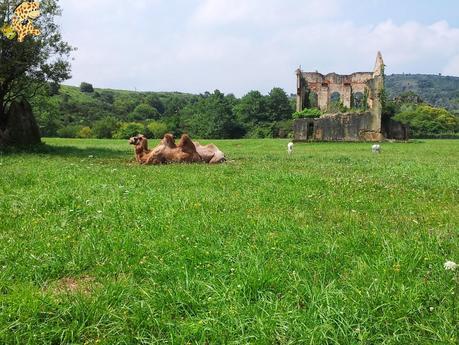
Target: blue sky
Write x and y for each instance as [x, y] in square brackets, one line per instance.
[241, 45]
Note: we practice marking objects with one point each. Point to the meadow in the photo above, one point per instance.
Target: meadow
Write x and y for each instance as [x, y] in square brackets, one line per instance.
[332, 245]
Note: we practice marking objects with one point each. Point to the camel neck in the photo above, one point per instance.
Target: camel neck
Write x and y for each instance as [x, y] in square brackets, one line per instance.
[140, 152]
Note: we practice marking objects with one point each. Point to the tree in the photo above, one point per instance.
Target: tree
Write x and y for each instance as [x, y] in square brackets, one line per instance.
[105, 128]
[129, 129]
[174, 105]
[27, 66]
[252, 109]
[144, 112]
[278, 103]
[123, 106]
[155, 102]
[211, 117]
[86, 87]
[427, 120]
[53, 89]
[408, 97]
[107, 97]
[156, 129]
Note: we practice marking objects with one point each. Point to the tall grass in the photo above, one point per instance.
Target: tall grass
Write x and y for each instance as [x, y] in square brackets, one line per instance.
[332, 245]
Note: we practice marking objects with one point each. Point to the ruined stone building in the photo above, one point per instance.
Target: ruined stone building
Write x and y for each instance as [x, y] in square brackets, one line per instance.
[358, 94]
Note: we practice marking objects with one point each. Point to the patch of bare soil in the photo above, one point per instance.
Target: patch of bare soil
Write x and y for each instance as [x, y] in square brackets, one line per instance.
[73, 285]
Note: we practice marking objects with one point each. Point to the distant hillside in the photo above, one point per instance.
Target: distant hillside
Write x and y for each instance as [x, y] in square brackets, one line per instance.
[437, 90]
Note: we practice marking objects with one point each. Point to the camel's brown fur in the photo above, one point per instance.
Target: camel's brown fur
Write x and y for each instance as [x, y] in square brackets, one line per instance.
[210, 153]
[166, 152]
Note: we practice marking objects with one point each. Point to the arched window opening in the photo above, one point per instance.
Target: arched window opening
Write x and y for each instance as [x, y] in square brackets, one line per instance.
[313, 100]
[335, 97]
[357, 100]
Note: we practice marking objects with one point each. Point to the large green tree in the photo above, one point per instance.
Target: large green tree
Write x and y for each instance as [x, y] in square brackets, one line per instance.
[27, 66]
[279, 105]
[211, 117]
[144, 112]
[252, 109]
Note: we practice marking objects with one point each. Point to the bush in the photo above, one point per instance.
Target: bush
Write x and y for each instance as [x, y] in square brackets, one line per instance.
[129, 129]
[283, 129]
[85, 133]
[156, 129]
[337, 107]
[105, 128]
[53, 89]
[308, 113]
[261, 132]
[86, 87]
[70, 131]
[427, 120]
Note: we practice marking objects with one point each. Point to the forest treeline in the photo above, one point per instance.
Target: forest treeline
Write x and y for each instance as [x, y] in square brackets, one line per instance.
[68, 111]
[85, 111]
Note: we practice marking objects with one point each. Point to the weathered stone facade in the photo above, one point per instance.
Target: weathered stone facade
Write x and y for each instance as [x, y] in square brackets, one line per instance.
[338, 127]
[358, 90]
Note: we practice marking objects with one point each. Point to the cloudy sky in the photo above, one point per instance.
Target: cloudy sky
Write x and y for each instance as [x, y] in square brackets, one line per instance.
[241, 45]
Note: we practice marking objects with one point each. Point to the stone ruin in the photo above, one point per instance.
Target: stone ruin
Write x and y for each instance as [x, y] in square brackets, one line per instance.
[358, 93]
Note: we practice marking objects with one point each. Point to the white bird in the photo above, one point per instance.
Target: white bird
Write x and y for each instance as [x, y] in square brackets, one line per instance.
[376, 148]
[290, 148]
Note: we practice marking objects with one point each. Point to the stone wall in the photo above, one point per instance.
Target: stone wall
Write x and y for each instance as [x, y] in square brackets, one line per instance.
[338, 127]
[395, 130]
[325, 85]
[365, 126]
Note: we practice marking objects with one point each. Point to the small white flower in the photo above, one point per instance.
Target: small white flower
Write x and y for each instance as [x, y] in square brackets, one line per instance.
[431, 309]
[99, 211]
[90, 156]
[450, 266]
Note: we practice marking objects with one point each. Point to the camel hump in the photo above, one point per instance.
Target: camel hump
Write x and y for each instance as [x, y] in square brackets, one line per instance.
[168, 140]
[212, 147]
[186, 144]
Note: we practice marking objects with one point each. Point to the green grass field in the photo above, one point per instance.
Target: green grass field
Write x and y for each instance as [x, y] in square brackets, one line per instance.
[333, 245]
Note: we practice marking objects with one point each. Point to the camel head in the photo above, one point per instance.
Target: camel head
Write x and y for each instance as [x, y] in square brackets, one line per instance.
[139, 141]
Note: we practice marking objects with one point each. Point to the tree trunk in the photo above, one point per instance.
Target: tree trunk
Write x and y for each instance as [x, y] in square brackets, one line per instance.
[3, 114]
[20, 127]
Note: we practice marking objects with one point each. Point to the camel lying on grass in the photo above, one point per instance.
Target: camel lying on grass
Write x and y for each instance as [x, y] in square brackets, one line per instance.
[168, 152]
[209, 153]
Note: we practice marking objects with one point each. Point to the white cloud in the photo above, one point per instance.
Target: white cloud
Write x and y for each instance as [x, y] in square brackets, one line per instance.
[223, 12]
[263, 12]
[237, 46]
